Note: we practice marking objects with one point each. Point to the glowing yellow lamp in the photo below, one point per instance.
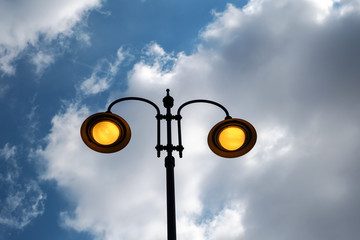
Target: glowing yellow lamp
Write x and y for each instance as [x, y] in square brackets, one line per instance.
[232, 138]
[105, 132]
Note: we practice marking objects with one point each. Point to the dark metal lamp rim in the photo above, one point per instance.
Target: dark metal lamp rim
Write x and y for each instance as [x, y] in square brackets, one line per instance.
[120, 143]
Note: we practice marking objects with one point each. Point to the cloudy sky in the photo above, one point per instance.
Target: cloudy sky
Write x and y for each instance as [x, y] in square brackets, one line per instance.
[291, 68]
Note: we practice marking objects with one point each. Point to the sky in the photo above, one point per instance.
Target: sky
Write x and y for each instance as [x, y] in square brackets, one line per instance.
[290, 68]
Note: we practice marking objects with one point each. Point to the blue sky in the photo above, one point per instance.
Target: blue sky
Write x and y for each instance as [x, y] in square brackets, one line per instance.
[288, 67]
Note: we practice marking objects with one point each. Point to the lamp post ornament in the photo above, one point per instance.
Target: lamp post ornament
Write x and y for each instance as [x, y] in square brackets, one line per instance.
[107, 132]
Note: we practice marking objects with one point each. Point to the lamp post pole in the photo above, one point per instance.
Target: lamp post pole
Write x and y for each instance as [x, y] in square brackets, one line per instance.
[168, 102]
[107, 133]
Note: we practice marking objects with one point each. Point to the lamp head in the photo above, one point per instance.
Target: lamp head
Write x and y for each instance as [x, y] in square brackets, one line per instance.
[105, 132]
[232, 138]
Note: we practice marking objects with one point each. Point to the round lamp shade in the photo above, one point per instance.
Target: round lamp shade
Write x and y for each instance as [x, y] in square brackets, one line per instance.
[232, 138]
[105, 132]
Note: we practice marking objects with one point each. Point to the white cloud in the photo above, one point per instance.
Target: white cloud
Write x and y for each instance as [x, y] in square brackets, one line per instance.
[41, 61]
[225, 23]
[155, 69]
[103, 75]
[23, 23]
[154, 49]
[21, 207]
[21, 202]
[89, 177]
[225, 224]
[296, 80]
[7, 151]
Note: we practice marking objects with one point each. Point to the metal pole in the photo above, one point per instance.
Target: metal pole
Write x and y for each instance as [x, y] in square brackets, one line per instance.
[170, 164]
[170, 197]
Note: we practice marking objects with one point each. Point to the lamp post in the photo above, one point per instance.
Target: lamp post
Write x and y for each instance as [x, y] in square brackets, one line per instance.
[107, 132]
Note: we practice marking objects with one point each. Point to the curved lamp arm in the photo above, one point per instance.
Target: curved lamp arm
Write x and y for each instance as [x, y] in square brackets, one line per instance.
[178, 116]
[204, 101]
[158, 116]
[133, 98]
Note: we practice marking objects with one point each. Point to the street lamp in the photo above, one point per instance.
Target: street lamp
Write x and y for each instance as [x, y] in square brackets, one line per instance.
[107, 132]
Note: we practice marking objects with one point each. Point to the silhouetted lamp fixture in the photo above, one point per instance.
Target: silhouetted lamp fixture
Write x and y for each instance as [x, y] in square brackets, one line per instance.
[107, 132]
[232, 138]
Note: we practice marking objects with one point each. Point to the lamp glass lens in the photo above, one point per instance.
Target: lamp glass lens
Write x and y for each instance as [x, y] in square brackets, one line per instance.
[105, 132]
[232, 138]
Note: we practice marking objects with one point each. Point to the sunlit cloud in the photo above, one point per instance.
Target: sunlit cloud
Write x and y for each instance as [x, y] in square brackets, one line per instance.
[103, 75]
[26, 25]
[41, 61]
[268, 63]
